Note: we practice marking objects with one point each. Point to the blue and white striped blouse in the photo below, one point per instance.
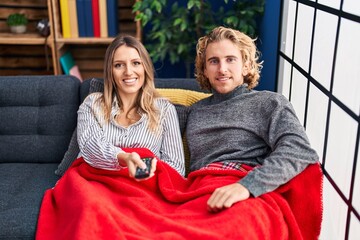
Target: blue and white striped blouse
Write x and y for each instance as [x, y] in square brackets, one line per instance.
[100, 142]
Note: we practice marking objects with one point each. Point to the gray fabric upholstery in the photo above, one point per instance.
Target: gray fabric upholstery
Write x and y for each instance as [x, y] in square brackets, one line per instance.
[88, 86]
[22, 188]
[182, 112]
[38, 116]
[182, 83]
[70, 155]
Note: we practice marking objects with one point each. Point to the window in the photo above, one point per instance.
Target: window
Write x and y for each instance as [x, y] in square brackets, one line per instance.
[319, 72]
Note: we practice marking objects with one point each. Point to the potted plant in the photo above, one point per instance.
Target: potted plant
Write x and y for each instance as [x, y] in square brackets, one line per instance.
[176, 27]
[17, 22]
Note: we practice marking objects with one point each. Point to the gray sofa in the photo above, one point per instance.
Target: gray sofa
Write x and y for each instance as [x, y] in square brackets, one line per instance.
[38, 117]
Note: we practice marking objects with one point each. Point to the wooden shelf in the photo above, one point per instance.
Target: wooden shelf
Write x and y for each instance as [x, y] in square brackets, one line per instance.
[88, 52]
[90, 65]
[84, 40]
[22, 39]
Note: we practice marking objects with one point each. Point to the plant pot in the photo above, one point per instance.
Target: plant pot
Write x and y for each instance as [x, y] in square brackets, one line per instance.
[18, 29]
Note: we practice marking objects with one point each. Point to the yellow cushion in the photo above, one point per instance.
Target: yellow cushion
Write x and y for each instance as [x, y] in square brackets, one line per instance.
[186, 98]
[182, 96]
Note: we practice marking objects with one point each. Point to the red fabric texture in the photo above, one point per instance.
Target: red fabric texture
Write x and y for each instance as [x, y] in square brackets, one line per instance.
[89, 203]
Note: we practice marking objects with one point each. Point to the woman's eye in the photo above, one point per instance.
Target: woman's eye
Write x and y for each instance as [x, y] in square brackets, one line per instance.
[214, 61]
[137, 63]
[231, 59]
[118, 65]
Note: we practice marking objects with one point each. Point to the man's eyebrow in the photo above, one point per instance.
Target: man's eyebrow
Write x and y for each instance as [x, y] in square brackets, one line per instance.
[215, 58]
[212, 58]
[231, 56]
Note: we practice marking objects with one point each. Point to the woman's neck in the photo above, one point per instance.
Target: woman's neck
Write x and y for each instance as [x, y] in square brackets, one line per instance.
[128, 103]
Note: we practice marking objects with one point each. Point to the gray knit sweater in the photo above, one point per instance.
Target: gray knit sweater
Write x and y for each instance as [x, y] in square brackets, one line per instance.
[251, 127]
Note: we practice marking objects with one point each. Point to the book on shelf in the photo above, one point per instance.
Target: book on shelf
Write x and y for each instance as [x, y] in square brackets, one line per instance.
[85, 18]
[68, 65]
[81, 17]
[88, 18]
[74, 31]
[65, 20]
[96, 17]
[113, 18]
[103, 18]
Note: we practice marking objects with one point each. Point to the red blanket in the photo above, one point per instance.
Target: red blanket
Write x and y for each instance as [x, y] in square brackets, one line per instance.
[89, 203]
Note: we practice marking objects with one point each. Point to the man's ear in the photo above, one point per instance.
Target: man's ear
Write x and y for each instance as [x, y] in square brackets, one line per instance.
[246, 68]
[205, 73]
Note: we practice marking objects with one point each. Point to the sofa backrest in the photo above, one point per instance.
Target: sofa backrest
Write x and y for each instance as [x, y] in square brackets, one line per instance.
[173, 83]
[38, 115]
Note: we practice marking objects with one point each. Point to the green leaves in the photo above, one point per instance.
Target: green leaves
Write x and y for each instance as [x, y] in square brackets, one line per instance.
[246, 13]
[194, 4]
[16, 19]
[175, 31]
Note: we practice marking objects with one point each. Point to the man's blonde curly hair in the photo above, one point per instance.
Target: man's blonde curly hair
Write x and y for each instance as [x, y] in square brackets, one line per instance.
[246, 45]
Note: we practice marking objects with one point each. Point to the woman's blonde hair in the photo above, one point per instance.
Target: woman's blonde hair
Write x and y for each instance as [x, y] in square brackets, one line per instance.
[147, 94]
[246, 45]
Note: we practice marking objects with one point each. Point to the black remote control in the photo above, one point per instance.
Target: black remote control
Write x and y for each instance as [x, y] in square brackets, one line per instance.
[144, 173]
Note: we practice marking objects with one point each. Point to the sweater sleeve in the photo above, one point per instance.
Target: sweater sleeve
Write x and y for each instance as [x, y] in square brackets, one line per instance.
[95, 150]
[290, 151]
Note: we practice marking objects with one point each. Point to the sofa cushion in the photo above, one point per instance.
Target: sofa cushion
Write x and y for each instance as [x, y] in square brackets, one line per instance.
[22, 188]
[178, 83]
[87, 87]
[72, 152]
[182, 96]
[38, 115]
[70, 155]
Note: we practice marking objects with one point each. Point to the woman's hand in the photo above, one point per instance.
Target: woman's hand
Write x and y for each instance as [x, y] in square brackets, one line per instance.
[225, 197]
[132, 161]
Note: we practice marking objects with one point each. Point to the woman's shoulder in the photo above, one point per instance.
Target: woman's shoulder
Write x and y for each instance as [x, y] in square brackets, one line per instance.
[165, 106]
[92, 97]
[163, 103]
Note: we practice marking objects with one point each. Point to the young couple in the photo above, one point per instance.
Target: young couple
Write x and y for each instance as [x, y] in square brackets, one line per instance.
[252, 139]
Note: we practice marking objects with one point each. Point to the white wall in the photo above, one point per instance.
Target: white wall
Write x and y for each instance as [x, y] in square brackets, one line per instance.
[310, 50]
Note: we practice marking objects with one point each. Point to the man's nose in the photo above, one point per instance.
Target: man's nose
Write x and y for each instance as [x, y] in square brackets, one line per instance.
[222, 67]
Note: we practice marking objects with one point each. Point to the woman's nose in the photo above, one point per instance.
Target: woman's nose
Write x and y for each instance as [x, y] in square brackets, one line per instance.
[128, 70]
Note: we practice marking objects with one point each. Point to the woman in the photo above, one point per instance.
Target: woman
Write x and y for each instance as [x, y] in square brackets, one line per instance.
[129, 113]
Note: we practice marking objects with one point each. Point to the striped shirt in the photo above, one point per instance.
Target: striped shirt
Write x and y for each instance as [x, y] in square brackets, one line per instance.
[100, 142]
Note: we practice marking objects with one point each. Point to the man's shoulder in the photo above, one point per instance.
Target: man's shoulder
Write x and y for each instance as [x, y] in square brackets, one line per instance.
[268, 95]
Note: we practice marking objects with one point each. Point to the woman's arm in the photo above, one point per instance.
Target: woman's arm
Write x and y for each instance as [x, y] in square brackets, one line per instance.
[93, 147]
[171, 150]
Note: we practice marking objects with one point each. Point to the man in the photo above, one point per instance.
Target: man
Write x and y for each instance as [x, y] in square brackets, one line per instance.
[238, 127]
